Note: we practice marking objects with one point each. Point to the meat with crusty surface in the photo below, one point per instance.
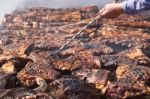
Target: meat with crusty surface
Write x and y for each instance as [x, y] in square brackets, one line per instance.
[75, 62]
[136, 73]
[126, 88]
[69, 87]
[97, 77]
[41, 69]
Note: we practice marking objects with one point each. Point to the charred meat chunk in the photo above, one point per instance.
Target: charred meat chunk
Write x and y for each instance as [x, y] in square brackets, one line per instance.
[72, 88]
[98, 77]
[40, 69]
[125, 88]
[136, 73]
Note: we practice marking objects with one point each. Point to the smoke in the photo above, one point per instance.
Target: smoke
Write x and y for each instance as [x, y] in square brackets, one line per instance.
[63, 3]
[7, 6]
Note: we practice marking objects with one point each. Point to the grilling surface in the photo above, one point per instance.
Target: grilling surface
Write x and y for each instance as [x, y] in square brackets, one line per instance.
[109, 60]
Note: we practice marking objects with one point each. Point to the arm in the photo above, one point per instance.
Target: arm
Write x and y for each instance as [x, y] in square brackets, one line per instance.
[130, 7]
[135, 6]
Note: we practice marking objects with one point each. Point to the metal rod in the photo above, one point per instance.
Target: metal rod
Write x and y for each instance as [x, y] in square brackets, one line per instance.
[85, 27]
[68, 42]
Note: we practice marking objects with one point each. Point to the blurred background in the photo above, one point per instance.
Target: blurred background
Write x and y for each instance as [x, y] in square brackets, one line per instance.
[7, 6]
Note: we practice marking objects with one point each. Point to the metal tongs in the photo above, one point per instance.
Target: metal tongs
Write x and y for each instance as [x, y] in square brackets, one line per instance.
[56, 53]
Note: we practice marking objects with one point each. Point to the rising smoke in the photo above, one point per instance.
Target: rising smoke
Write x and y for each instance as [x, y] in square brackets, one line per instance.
[64, 3]
[7, 6]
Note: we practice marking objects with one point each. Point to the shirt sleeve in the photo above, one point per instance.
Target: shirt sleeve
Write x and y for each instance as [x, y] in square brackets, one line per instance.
[132, 7]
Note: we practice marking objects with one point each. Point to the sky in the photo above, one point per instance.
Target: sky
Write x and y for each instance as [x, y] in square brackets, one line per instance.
[66, 3]
[7, 6]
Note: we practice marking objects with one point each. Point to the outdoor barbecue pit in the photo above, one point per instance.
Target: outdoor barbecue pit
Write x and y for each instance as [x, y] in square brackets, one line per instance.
[109, 60]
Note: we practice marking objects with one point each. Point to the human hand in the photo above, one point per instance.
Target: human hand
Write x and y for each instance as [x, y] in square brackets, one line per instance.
[111, 11]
